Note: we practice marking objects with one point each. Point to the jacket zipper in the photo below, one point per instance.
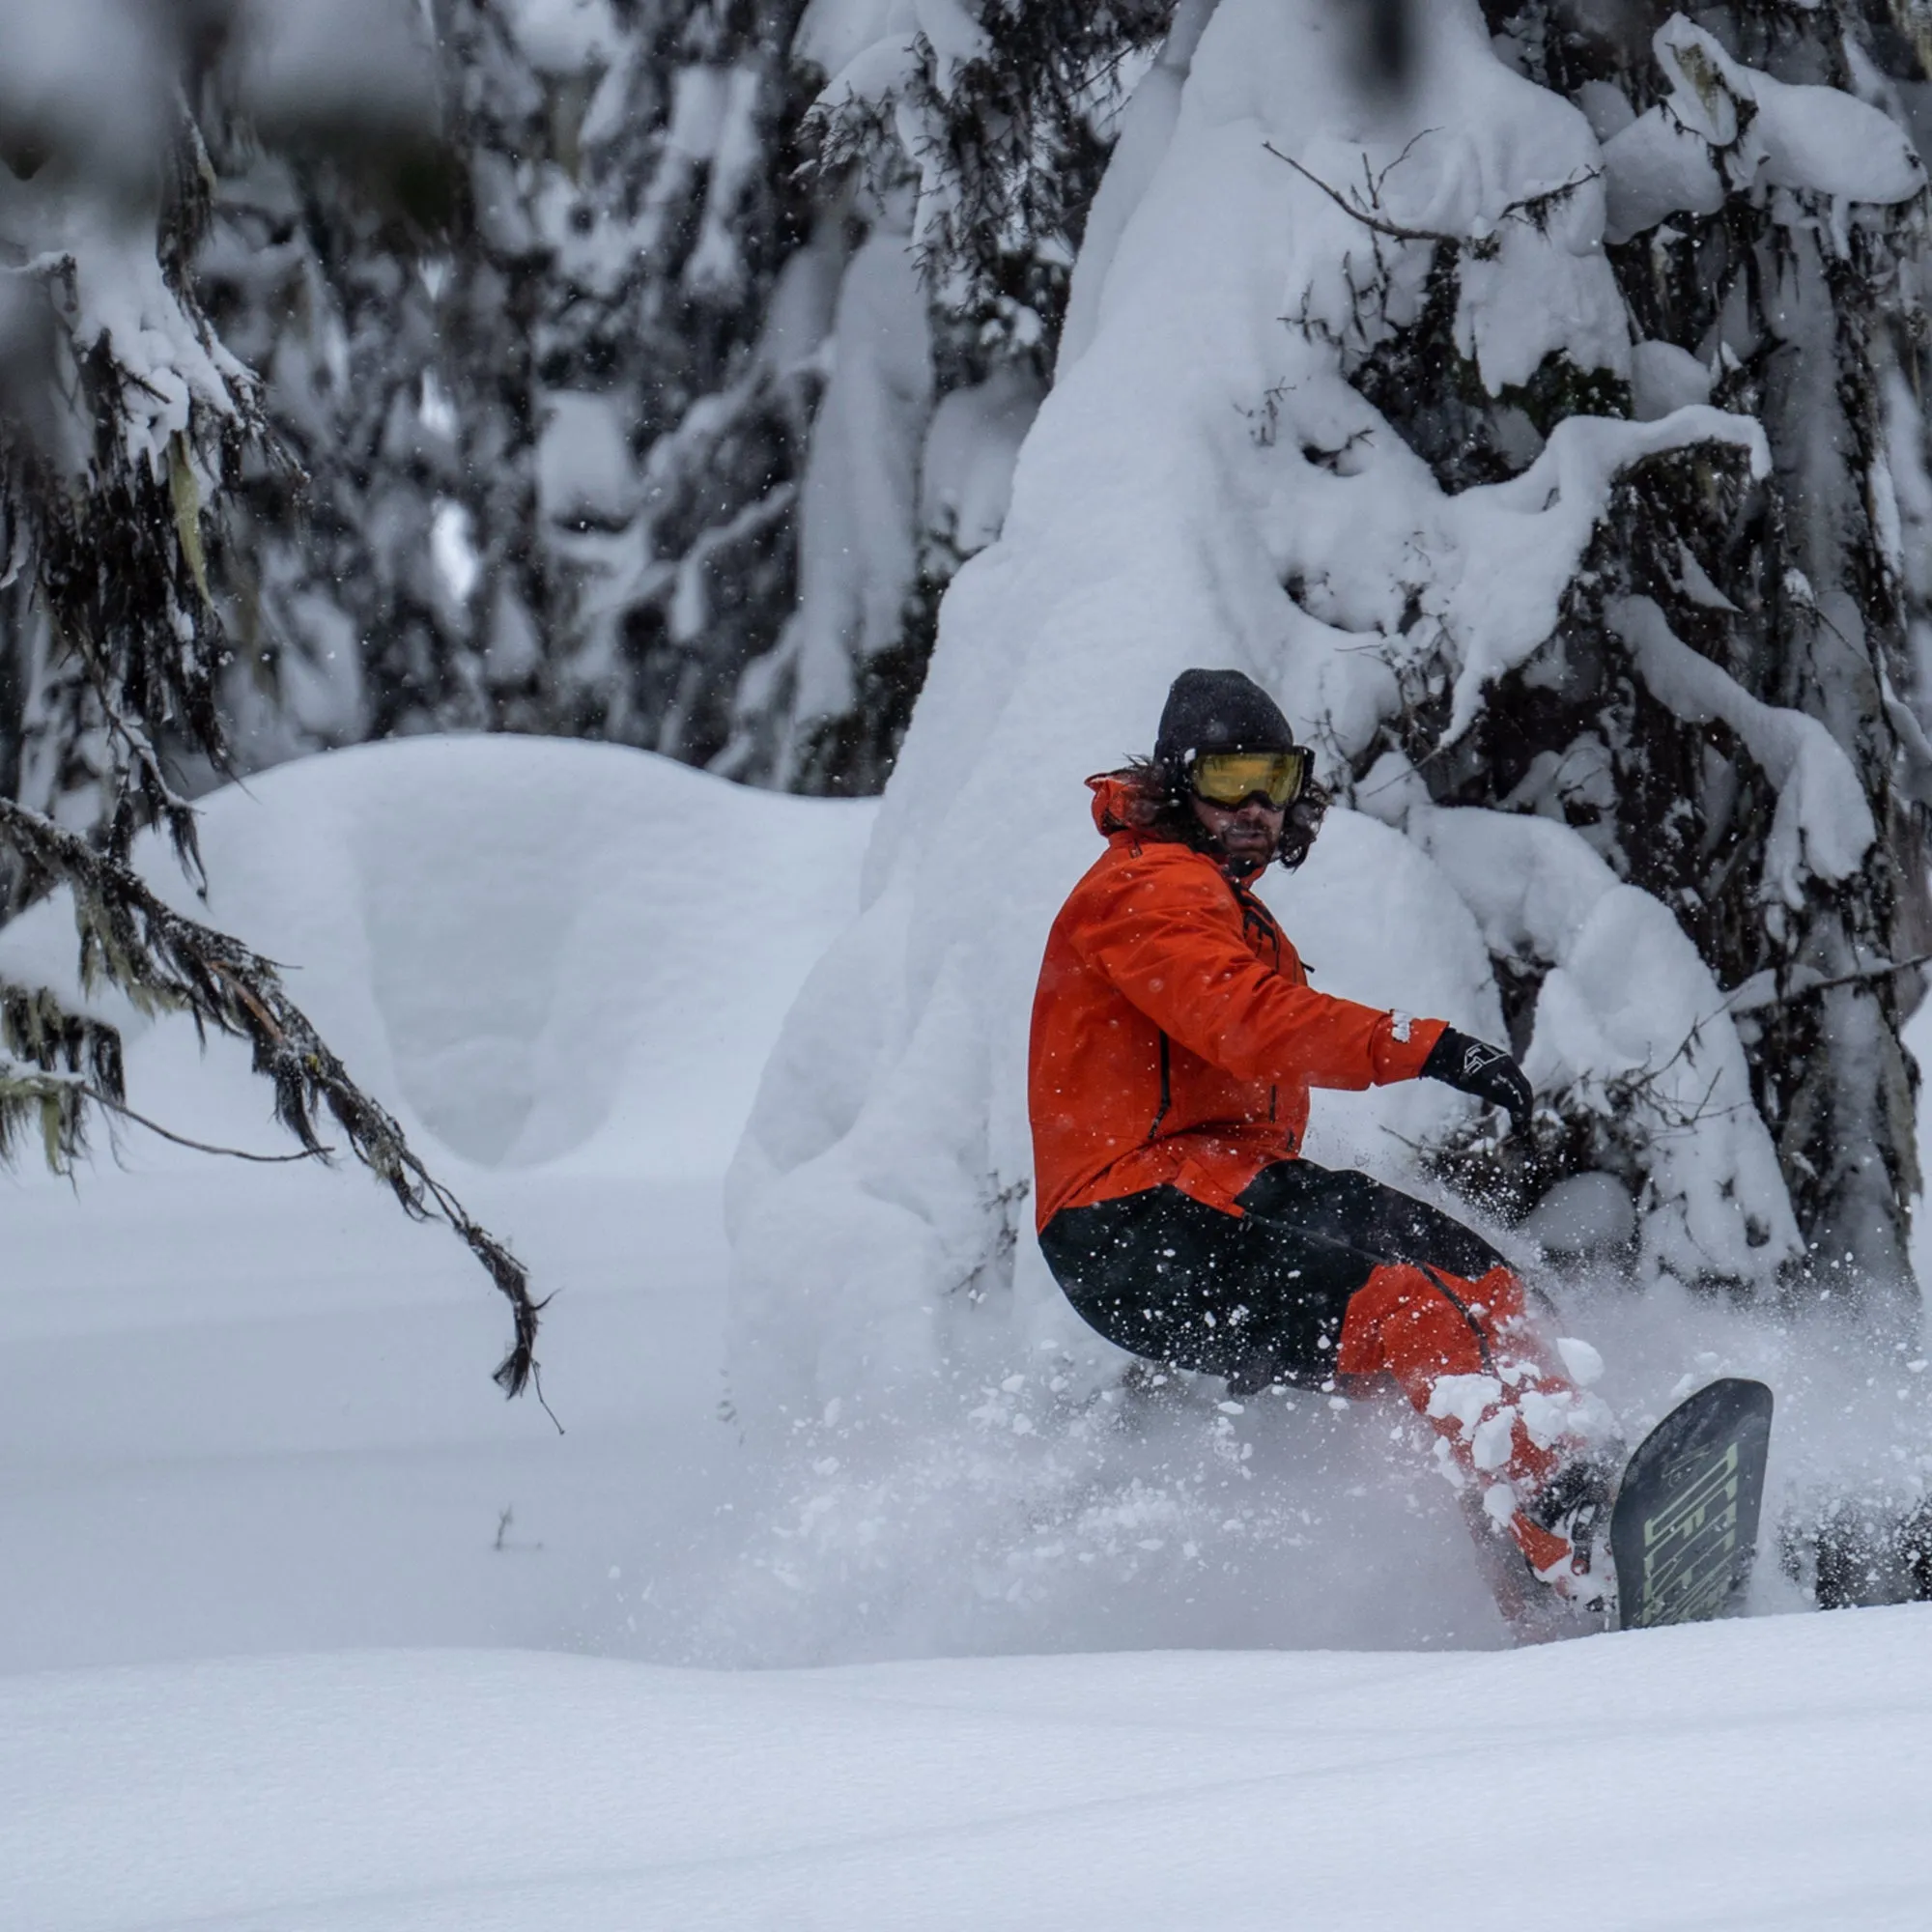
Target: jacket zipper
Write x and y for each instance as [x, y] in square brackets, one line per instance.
[1255, 916]
[1166, 1091]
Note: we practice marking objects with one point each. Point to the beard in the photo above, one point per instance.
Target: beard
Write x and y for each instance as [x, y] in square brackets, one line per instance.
[1243, 849]
[1300, 825]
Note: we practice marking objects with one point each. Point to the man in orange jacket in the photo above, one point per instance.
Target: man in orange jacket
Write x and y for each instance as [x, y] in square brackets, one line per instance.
[1175, 1041]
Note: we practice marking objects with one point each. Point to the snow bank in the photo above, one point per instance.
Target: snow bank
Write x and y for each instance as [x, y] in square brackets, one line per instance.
[530, 948]
[1202, 487]
[1771, 1775]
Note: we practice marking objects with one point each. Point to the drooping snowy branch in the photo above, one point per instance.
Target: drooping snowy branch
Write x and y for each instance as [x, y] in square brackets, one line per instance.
[1665, 1068]
[1727, 128]
[165, 962]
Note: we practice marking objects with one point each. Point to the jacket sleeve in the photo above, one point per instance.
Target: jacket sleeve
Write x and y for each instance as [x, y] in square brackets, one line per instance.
[1169, 937]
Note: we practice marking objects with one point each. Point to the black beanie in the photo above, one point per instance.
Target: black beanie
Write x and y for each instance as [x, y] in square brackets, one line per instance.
[1216, 711]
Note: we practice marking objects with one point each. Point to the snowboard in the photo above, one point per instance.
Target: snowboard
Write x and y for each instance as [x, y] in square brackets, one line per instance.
[1683, 1530]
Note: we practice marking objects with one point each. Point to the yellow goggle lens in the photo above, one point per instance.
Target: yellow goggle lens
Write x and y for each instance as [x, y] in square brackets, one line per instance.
[1232, 777]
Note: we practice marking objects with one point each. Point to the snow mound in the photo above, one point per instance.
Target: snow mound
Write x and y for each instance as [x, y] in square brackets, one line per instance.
[530, 948]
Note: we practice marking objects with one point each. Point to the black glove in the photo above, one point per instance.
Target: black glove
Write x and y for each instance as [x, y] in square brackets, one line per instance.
[1485, 1071]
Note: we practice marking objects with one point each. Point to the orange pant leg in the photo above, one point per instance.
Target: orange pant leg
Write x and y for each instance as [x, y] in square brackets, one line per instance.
[1463, 1354]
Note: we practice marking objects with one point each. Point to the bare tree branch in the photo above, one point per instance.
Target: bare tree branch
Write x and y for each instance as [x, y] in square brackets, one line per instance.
[1531, 208]
[1368, 217]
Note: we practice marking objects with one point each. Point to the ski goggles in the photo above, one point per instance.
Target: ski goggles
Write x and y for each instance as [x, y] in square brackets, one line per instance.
[1232, 777]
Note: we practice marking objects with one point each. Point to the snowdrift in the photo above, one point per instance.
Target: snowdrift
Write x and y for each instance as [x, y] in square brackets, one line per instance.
[529, 948]
[248, 1409]
[1770, 1775]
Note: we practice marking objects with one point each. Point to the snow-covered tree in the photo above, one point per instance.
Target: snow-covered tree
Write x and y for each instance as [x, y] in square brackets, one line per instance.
[124, 423]
[393, 576]
[1530, 448]
[681, 362]
[346, 622]
[551, 473]
[968, 143]
[717, 377]
[781, 420]
[1747, 753]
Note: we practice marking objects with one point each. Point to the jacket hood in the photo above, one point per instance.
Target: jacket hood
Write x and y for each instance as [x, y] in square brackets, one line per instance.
[1119, 803]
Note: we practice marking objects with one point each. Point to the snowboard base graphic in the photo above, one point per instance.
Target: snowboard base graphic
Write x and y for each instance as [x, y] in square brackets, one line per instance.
[1683, 1532]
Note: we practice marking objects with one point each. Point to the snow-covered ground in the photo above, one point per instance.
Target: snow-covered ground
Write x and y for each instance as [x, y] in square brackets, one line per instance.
[248, 1409]
[290, 1586]
[1755, 1775]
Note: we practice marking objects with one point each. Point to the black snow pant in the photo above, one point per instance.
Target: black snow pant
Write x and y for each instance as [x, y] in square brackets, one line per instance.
[1257, 1296]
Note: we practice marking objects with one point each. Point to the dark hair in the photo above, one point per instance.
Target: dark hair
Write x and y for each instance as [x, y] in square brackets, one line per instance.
[1160, 808]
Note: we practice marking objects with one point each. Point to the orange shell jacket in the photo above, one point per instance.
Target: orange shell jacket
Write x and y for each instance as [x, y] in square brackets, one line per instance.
[1175, 1035]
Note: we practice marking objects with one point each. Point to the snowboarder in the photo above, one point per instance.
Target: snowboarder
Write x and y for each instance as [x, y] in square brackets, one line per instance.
[1175, 1041]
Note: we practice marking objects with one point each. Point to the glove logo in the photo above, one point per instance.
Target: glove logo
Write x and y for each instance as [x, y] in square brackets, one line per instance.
[1477, 1056]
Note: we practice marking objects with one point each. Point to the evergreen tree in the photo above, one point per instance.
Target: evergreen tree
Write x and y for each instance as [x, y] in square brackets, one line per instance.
[717, 380]
[124, 423]
[680, 354]
[391, 575]
[1762, 273]
[549, 473]
[970, 144]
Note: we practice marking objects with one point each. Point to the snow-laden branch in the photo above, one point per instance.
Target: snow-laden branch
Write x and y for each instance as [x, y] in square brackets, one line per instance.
[1527, 536]
[1629, 1019]
[1783, 988]
[1823, 825]
[1725, 128]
